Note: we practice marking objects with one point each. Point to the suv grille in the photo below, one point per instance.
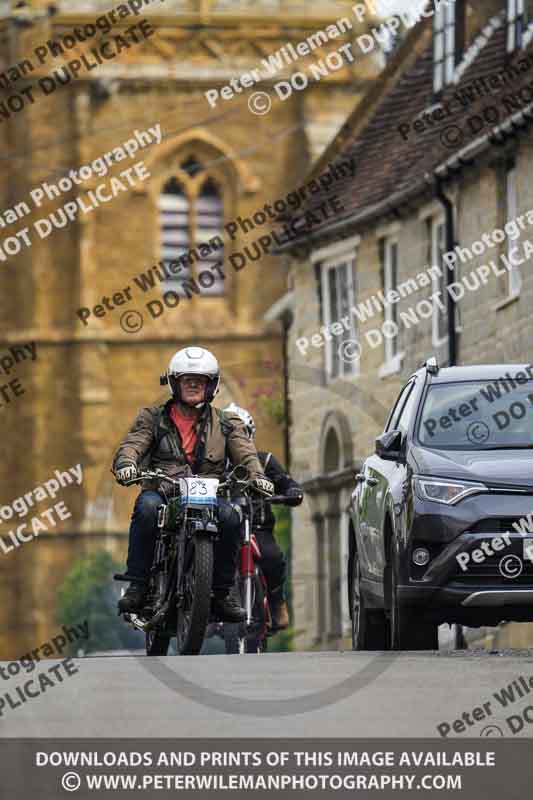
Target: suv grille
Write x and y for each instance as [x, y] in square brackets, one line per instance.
[488, 571]
[495, 525]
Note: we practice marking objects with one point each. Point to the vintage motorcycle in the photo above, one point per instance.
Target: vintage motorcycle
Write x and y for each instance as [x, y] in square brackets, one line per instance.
[178, 601]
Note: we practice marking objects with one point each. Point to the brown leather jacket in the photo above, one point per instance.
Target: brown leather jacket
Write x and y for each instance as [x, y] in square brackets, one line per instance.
[153, 442]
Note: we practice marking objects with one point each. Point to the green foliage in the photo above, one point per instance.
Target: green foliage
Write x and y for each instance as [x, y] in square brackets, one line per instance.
[273, 407]
[268, 398]
[283, 641]
[283, 527]
[87, 593]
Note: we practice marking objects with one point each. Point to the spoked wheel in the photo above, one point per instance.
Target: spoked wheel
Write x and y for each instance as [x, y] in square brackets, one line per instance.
[237, 639]
[193, 612]
[157, 643]
[370, 630]
[408, 631]
[255, 644]
[255, 641]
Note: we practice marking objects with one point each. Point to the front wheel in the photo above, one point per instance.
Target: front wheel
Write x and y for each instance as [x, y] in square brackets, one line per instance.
[194, 609]
[408, 631]
[238, 638]
[370, 628]
[233, 638]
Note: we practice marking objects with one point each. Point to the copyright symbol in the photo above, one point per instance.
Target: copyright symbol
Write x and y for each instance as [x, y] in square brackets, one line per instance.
[131, 321]
[71, 781]
[259, 103]
[452, 136]
[491, 730]
[350, 350]
[511, 566]
[477, 432]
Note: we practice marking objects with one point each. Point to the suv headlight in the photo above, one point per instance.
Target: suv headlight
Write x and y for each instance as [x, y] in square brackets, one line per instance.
[445, 491]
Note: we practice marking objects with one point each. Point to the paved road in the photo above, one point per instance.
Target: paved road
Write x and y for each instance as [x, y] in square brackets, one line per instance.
[291, 694]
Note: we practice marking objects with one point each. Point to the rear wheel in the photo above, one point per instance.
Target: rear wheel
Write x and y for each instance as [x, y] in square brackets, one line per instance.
[193, 612]
[239, 640]
[407, 630]
[370, 627]
[157, 643]
[255, 644]
[256, 640]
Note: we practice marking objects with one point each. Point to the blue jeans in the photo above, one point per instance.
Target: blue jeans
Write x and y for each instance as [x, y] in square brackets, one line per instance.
[143, 530]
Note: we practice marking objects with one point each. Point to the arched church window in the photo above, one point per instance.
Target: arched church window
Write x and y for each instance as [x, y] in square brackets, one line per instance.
[191, 217]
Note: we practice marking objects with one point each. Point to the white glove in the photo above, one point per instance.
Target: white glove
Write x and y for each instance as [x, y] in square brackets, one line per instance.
[126, 473]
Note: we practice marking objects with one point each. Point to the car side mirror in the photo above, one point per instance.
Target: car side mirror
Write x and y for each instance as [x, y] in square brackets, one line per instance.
[389, 446]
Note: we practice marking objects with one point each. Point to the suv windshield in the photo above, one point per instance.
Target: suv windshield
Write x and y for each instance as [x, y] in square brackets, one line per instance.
[477, 415]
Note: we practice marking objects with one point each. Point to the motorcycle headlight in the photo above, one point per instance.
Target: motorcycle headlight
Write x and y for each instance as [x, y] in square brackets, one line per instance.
[445, 491]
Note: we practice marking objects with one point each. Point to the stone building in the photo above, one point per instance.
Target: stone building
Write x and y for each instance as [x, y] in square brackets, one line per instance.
[66, 102]
[444, 153]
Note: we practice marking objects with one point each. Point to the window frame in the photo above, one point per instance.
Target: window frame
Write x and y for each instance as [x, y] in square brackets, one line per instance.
[517, 23]
[390, 310]
[347, 257]
[411, 395]
[448, 24]
[404, 394]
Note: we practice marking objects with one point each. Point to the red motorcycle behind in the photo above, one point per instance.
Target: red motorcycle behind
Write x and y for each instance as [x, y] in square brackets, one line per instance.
[250, 636]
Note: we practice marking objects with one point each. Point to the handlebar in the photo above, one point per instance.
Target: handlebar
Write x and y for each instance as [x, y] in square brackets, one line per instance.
[159, 475]
[150, 474]
[231, 481]
[284, 499]
[277, 498]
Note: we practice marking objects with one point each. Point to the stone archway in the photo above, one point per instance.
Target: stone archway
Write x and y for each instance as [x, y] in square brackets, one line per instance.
[331, 526]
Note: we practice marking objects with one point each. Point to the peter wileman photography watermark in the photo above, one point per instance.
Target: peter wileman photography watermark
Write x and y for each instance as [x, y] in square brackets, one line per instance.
[9, 361]
[493, 392]
[280, 769]
[466, 96]
[260, 102]
[48, 678]
[167, 273]
[351, 349]
[510, 565]
[67, 213]
[103, 51]
[507, 696]
[19, 508]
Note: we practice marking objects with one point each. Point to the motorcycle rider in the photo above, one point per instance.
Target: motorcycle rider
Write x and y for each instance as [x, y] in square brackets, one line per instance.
[273, 561]
[186, 436]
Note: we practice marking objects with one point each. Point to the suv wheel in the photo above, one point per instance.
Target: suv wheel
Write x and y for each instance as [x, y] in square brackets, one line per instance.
[407, 630]
[370, 630]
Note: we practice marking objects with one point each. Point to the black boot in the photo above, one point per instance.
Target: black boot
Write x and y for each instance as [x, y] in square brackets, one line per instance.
[227, 607]
[133, 598]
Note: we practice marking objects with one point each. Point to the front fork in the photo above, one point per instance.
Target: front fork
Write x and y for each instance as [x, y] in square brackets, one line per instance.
[247, 570]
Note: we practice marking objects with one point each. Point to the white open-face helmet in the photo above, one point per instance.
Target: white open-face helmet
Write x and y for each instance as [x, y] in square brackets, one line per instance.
[192, 361]
[245, 416]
